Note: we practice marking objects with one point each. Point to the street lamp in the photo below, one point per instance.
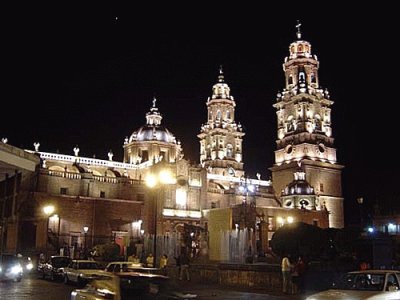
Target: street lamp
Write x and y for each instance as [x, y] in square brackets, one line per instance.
[153, 182]
[85, 231]
[360, 201]
[48, 211]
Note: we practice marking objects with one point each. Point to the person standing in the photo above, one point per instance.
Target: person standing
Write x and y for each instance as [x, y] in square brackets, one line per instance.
[298, 276]
[150, 261]
[163, 264]
[184, 261]
[286, 277]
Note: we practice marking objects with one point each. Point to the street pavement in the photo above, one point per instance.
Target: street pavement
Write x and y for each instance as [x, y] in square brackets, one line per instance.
[33, 288]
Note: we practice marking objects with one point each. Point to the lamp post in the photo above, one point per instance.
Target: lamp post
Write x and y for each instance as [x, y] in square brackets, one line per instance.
[153, 182]
[85, 231]
[360, 201]
[48, 211]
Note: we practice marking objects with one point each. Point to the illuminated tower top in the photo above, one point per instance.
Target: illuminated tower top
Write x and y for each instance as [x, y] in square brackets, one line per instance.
[221, 137]
[303, 109]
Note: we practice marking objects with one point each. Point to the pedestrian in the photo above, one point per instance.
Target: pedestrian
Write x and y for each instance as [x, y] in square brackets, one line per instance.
[184, 261]
[163, 264]
[150, 260]
[286, 277]
[298, 276]
[178, 265]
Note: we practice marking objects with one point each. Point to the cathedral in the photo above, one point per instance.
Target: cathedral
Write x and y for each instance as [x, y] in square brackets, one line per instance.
[80, 202]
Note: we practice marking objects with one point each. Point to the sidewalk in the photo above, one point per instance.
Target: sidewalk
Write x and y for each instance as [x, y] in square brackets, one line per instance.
[216, 291]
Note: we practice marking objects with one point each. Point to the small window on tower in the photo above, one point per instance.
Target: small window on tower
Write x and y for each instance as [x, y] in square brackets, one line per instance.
[315, 222]
[313, 78]
[219, 115]
[321, 187]
[145, 155]
[63, 191]
[102, 194]
[290, 81]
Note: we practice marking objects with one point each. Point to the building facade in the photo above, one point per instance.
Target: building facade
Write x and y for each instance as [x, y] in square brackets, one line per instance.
[96, 201]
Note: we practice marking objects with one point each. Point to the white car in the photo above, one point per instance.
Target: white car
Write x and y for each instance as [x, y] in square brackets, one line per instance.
[131, 285]
[369, 284]
[81, 271]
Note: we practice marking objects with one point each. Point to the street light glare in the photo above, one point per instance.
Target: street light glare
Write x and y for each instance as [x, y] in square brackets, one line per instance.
[151, 180]
[48, 210]
[85, 229]
[166, 177]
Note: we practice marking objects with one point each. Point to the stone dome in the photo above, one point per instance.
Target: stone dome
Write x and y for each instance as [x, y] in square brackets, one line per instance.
[153, 133]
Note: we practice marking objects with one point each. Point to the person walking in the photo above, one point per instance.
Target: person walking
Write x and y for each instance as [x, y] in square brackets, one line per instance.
[286, 277]
[184, 261]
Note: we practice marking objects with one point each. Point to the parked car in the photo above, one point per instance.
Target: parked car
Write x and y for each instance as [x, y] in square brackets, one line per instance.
[368, 284]
[127, 266]
[54, 268]
[130, 285]
[10, 268]
[81, 271]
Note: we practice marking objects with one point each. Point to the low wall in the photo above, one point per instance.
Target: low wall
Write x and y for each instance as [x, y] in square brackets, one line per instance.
[263, 276]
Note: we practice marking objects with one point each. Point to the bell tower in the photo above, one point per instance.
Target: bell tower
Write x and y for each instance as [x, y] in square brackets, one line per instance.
[304, 130]
[221, 138]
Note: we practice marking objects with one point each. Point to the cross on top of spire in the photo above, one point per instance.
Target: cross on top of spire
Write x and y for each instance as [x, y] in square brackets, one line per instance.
[298, 26]
[221, 74]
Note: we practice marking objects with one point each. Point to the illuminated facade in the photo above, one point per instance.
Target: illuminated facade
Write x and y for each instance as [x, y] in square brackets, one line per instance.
[304, 131]
[112, 201]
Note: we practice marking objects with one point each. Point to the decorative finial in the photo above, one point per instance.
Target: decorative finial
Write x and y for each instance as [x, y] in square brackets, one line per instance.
[154, 101]
[221, 74]
[76, 150]
[4, 140]
[36, 145]
[110, 155]
[298, 26]
[126, 140]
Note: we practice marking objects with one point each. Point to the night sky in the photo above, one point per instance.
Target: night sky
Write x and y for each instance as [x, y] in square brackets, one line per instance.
[86, 77]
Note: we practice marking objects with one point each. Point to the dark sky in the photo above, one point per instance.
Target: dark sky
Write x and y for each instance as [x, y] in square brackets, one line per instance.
[79, 76]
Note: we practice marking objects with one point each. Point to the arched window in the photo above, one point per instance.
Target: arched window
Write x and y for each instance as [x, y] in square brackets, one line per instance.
[301, 76]
[317, 120]
[210, 115]
[229, 150]
[290, 124]
[290, 80]
[228, 114]
[300, 48]
[313, 80]
[219, 115]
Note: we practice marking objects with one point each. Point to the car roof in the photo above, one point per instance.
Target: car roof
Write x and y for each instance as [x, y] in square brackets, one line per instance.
[375, 272]
[84, 260]
[139, 274]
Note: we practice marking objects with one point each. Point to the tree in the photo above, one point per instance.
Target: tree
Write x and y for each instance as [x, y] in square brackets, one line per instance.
[299, 238]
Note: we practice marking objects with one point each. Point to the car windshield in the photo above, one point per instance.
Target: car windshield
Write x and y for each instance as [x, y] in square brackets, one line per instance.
[88, 265]
[8, 259]
[361, 282]
[60, 262]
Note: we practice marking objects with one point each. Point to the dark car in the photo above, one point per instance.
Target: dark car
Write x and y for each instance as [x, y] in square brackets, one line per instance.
[10, 268]
[54, 268]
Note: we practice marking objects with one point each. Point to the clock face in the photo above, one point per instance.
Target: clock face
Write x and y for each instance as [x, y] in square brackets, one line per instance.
[231, 171]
